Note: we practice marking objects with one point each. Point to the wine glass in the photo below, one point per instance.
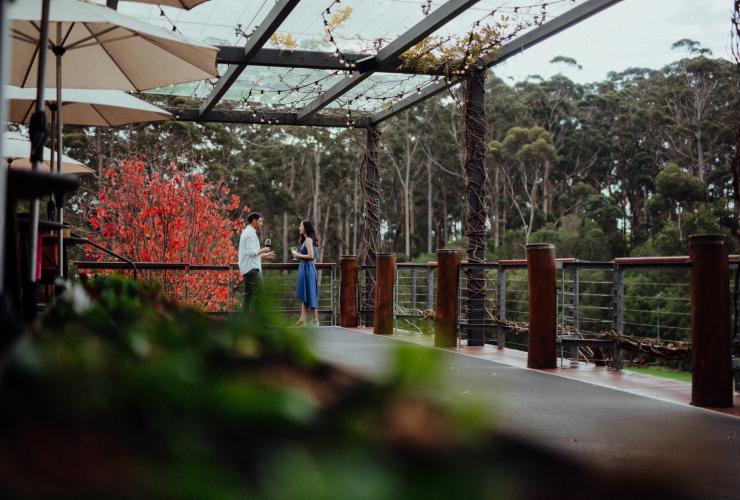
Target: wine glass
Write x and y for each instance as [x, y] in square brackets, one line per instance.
[268, 243]
[293, 249]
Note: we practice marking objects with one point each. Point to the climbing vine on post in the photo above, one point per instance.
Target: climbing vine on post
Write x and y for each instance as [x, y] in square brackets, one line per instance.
[475, 216]
[370, 229]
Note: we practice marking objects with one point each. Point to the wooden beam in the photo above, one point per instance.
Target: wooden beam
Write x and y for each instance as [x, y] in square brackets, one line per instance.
[277, 118]
[435, 20]
[311, 59]
[267, 28]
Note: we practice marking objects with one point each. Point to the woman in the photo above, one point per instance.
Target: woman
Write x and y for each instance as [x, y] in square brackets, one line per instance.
[307, 289]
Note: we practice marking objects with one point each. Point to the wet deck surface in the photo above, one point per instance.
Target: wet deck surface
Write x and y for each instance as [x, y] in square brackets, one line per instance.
[623, 422]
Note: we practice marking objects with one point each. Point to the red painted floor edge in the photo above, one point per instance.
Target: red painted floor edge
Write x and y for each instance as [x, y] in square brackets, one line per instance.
[636, 383]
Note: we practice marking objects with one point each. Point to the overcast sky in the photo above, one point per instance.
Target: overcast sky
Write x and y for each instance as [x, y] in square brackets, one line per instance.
[628, 34]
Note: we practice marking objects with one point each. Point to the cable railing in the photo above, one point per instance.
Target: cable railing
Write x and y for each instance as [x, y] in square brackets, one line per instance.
[644, 299]
[218, 289]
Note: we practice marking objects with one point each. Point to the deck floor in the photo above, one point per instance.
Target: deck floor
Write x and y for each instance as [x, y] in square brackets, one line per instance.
[666, 389]
[624, 422]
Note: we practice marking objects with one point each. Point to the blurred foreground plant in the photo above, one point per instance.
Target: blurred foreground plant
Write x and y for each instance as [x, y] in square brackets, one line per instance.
[121, 393]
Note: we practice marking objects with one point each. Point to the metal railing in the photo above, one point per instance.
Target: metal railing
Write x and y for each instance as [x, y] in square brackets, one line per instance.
[218, 289]
[641, 298]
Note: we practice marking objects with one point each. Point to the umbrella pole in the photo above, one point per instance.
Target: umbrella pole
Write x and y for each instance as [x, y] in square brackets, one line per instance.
[4, 59]
[52, 153]
[60, 199]
[38, 136]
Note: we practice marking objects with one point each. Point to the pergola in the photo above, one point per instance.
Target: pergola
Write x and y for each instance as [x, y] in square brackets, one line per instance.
[278, 77]
[341, 105]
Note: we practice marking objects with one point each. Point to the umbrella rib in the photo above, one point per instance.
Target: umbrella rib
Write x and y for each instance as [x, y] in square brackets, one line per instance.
[92, 36]
[19, 35]
[28, 68]
[69, 32]
[91, 42]
[102, 46]
[100, 113]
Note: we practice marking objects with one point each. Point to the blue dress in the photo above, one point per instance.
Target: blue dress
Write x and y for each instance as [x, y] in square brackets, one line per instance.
[307, 290]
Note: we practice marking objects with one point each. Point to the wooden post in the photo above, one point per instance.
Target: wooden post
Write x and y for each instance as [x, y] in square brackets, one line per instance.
[542, 279]
[348, 317]
[711, 383]
[370, 223]
[475, 194]
[445, 309]
[385, 277]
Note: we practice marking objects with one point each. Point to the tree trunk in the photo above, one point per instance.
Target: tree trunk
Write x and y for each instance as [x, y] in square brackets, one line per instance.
[98, 150]
[323, 237]
[429, 206]
[354, 214]
[546, 191]
[317, 185]
[495, 208]
[340, 230]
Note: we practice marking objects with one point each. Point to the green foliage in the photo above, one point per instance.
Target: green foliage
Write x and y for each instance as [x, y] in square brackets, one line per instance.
[584, 240]
[703, 219]
[166, 401]
[633, 152]
[678, 186]
[604, 210]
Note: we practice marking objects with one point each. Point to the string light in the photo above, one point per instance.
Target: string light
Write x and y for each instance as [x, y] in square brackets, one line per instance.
[310, 89]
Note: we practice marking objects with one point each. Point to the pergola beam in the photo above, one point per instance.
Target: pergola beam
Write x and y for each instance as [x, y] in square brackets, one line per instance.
[277, 118]
[529, 39]
[267, 28]
[313, 60]
[390, 52]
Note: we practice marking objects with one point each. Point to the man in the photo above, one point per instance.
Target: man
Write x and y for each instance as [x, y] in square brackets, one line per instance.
[250, 256]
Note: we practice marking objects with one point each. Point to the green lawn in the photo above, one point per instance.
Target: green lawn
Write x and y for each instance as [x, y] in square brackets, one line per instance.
[661, 372]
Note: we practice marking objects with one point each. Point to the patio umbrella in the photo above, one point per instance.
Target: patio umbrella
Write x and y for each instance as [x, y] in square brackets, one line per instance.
[183, 4]
[101, 49]
[15, 154]
[98, 108]
[104, 49]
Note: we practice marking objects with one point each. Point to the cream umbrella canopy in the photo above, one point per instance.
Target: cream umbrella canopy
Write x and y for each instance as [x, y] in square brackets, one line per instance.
[183, 4]
[103, 49]
[15, 155]
[99, 48]
[98, 108]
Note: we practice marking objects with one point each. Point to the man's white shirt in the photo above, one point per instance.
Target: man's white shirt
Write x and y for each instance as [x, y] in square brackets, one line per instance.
[249, 251]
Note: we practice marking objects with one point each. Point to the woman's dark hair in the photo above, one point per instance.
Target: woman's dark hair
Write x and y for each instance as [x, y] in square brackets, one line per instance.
[309, 232]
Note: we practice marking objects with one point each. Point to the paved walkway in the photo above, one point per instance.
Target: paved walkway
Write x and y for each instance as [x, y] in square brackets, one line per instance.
[663, 388]
[617, 430]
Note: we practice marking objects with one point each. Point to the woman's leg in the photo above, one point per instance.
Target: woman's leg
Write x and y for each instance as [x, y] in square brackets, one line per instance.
[315, 313]
[302, 319]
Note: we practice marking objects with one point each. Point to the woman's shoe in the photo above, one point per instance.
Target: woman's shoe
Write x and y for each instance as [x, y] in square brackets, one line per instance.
[300, 323]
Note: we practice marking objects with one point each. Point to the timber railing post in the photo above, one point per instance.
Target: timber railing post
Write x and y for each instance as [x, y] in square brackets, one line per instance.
[501, 295]
[575, 299]
[542, 280]
[445, 309]
[618, 299]
[348, 317]
[711, 381]
[385, 278]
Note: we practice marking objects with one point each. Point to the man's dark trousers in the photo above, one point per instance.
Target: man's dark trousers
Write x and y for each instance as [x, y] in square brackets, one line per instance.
[251, 284]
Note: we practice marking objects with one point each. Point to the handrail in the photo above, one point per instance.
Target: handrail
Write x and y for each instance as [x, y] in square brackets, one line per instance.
[181, 266]
[106, 250]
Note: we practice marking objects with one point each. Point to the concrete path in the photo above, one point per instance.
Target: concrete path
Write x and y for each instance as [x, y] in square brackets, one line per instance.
[610, 429]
